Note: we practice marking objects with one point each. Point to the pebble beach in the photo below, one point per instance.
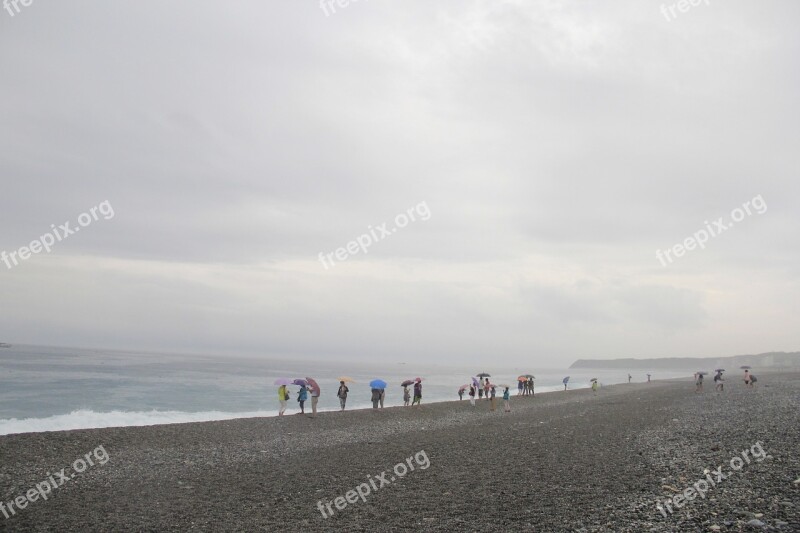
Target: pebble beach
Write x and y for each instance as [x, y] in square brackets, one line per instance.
[560, 461]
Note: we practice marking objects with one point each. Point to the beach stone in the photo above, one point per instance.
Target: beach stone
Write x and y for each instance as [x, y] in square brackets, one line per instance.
[756, 523]
[715, 527]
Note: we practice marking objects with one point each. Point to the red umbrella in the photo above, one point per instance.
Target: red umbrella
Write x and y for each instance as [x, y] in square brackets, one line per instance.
[313, 385]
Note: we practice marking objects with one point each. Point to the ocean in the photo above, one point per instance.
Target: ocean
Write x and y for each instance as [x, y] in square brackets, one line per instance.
[50, 388]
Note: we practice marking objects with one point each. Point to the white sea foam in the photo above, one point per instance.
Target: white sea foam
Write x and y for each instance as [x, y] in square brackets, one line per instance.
[86, 419]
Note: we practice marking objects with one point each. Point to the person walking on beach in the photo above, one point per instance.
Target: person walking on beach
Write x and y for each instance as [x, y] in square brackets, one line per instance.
[520, 388]
[383, 396]
[486, 387]
[718, 381]
[594, 387]
[506, 404]
[460, 394]
[417, 393]
[283, 397]
[629, 378]
[648, 378]
[406, 396]
[314, 400]
[302, 396]
[342, 394]
[472, 395]
[748, 380]
[480, 390]
[530, 386]
[493, 392]
[699, 382]
[376, 397]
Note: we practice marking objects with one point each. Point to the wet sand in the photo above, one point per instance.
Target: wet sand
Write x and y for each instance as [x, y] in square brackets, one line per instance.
[561, 461]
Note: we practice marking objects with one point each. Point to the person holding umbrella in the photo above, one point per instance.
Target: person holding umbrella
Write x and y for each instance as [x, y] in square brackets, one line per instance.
[302, 396]
[315, 390]
[594, 386]
[461, 393]
[699, 381]
[565, 381]
[472, 395]
[342, 394]
[718, 381]
[417, 392]
[378, 386]
[520, 386]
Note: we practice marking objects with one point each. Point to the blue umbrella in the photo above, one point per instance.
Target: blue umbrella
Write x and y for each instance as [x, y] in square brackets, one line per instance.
[566, 379]
[378, 384]
[300, 382]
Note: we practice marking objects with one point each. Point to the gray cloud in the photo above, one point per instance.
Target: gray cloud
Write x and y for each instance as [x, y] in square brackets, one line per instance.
[558, 145]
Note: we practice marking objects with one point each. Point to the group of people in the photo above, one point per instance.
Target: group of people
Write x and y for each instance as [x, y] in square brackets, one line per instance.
[378, 397]
[302, 397]
[489, 391]
[525, 388]
[719, 382]
[379, 394]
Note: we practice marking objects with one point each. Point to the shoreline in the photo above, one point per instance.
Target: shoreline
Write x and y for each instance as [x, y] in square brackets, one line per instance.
[218, 416]
[557, 462]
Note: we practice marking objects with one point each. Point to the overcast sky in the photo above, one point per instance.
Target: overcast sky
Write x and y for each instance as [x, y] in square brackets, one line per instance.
[555, 147]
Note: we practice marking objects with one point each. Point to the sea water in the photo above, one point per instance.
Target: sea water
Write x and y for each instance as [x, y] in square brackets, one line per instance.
[48, 388]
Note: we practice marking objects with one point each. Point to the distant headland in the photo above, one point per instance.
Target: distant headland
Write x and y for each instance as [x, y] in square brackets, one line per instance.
[763, 360]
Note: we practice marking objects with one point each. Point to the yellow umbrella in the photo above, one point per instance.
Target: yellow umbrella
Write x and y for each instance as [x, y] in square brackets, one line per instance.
[345, 378]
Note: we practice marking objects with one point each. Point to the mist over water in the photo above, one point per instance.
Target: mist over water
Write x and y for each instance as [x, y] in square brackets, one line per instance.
[47, 388]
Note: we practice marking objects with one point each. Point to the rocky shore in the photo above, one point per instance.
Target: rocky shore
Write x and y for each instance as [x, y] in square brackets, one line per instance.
[561, 461]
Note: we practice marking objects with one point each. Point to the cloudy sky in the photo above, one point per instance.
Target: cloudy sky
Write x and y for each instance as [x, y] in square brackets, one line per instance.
[546, 149]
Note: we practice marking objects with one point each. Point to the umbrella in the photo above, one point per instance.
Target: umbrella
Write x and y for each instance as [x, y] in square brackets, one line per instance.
[593, 379]
[313, 385]
[565, 380]
[745, 367]
[483, 375]
[522, 378]
[301, 382]
[407, 382]
[283, 381]
[346, 379]
[418, 380]
[378, 384]
[719, 370]
[529, 376]
[475, 381]
[463, 387]
[703, 373]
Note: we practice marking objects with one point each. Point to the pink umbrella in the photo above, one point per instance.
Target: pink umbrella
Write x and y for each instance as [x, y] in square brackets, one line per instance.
[313, 385]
